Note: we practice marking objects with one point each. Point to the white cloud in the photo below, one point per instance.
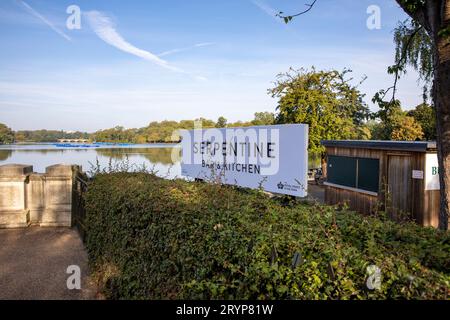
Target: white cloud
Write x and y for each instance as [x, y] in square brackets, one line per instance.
[43, 19]
[105, 30]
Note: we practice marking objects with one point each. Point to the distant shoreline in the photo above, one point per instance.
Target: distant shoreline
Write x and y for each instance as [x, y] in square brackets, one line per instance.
[112, 143]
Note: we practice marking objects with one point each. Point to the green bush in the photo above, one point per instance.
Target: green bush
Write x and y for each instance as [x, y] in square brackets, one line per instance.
[151, 238]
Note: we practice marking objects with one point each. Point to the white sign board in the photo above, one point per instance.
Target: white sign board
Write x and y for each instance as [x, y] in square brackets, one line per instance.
[417, 174]
[273, 158]
[431, 172]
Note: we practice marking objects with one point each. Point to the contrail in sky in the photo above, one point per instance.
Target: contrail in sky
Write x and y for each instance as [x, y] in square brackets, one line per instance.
[198, 45]
[105, 30]
[267, 9]
[43, 19]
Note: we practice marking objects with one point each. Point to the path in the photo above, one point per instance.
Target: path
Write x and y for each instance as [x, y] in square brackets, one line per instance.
[33, 264]
[316, 192]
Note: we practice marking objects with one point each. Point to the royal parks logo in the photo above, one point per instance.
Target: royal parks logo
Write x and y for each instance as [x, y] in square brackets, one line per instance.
[287, 187]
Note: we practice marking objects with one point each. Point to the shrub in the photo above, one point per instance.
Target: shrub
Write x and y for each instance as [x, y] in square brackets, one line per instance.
[151, 238]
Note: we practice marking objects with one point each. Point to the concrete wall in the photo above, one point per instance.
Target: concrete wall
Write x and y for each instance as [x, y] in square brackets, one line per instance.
[41, 199]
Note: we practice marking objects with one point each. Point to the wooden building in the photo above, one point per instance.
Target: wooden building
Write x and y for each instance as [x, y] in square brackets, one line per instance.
[398, 177]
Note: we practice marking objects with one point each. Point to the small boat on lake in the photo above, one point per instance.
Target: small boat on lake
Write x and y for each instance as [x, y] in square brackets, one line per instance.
[71, 145]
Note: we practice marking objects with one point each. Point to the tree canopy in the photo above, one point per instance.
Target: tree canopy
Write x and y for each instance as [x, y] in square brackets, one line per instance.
[166, 131]
[47, 135]
[325, 100]
[6, 134]
[425, 115]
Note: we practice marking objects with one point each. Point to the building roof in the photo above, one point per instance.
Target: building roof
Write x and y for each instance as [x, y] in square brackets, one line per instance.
[416, 146]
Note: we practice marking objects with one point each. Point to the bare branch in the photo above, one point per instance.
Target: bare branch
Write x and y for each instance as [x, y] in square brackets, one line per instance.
[289, 17]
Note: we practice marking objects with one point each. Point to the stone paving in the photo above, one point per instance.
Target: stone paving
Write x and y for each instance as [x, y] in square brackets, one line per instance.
[34, 262]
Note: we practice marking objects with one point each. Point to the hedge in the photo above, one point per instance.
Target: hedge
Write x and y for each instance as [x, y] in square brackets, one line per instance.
[151, 238]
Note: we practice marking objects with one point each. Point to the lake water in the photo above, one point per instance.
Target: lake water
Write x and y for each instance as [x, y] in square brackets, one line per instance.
[154, 156]
[157, 157]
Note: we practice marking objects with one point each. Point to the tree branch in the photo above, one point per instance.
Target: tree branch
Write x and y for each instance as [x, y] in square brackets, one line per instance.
[289, 18]
[379, 96]
[402, 60]
[416, 13]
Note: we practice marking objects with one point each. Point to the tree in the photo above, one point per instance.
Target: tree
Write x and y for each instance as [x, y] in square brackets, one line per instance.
[376, 129]
[430, 23]
[432, 18]
[324, 100]
[363, 132]
[6, 134]
[413, 47]
[425, 115]
[221, 122]
[263, 119]
[405, 128]
[48, 135]
[395, 123]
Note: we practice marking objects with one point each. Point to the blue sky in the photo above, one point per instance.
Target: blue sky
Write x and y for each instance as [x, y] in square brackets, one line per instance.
[138, 61]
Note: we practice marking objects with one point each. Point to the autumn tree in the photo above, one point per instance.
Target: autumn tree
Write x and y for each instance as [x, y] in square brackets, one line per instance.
[405, 128]
[395, 124]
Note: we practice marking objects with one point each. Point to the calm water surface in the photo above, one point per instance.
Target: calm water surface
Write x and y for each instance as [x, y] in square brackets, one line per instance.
[153, 156]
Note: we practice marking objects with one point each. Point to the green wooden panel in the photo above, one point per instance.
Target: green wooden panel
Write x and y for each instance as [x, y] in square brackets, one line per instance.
[368, 174]
[342, 171]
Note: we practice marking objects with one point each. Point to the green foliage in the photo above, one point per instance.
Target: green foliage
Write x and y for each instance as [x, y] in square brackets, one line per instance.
[425, 115]
[413, 47]
[150, 238]
[395, 124]
[325, 100]
[117, 134]
[167, 131]
[412, 6]
[221, 122]
[376, 129]
[263, 119]
[405, 128]
[48, 135]
[6, 134]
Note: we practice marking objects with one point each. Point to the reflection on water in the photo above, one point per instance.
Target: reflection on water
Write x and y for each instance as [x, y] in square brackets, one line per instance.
[154, 156]
[157, 157]
[5, 154]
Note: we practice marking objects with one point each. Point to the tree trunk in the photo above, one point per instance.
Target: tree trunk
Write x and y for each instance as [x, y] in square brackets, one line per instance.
[442, 102]
[441, 95]
[323, 164]
[434, 16]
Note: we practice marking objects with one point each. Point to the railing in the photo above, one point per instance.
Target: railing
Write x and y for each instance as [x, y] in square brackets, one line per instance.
[78, 203]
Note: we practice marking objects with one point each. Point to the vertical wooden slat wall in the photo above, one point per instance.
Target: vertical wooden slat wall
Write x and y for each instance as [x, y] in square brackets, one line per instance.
[407, 195]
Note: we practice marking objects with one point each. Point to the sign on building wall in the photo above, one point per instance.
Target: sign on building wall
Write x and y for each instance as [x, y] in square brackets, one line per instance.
[417, 174]
[431, 172]
[273, 158]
